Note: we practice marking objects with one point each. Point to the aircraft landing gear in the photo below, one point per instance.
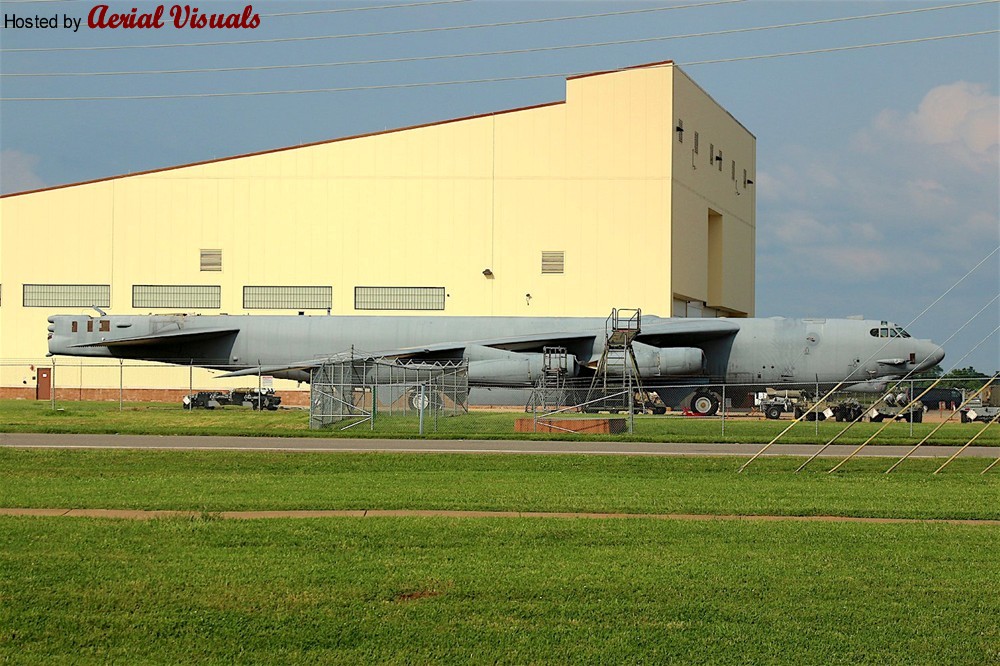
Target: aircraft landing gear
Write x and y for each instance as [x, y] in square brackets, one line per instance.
[705, 403]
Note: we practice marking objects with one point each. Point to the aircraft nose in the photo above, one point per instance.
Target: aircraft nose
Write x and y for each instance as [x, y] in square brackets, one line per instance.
[933, 356]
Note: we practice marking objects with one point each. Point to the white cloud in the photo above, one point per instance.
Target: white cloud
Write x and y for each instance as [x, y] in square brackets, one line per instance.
[912, 200]
[17, 172]
[959, 119]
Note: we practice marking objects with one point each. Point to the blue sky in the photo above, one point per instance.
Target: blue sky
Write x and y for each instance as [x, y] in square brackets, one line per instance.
[877, 169]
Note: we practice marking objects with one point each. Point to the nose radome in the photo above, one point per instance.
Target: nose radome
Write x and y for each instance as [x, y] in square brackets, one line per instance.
[934, 356]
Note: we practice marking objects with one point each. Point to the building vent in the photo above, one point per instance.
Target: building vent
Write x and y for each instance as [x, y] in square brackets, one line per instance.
[67, 295]
[399, 298]
[287, 298]
[211, 260]
[553, 262]
[176, 296]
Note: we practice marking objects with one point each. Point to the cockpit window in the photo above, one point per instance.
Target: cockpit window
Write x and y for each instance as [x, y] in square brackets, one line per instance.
[886, 332]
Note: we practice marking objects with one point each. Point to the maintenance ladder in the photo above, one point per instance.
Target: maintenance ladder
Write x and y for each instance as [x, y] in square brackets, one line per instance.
[550, 389]
[620, 329]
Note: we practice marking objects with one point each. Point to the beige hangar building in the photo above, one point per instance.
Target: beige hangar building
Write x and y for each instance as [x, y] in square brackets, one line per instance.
[636, 191]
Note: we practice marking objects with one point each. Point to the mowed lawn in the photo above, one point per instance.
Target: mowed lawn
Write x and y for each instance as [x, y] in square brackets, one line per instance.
[420, 590]
[494, 590]
[268, 480]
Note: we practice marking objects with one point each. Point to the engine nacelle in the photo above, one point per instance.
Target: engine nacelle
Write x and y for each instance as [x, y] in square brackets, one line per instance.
[489, 365]
[665, 361]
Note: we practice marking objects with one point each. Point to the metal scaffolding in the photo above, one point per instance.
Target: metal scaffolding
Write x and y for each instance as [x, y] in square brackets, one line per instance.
[350, 390]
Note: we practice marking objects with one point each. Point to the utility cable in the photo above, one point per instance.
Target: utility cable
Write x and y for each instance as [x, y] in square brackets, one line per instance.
[887, 423]
[892, 389]
[468, 81]
[364, 8]
[941, 425]
[967, 444]
[384, 33]
[480, 54]
[847, 380]
[991, 465]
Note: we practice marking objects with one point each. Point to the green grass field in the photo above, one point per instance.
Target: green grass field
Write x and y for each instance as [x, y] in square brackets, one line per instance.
[170, 419]
[496, 590]
[486, 590]
[252, 480]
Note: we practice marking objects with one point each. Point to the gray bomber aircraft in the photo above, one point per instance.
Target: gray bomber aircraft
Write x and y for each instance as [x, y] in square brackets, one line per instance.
[509, 350]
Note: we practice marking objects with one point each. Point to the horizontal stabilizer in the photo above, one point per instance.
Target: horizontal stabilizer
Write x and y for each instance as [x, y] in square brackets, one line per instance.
[171, 337]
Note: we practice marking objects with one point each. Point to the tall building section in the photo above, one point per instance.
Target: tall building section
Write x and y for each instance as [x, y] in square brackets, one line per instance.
[636, 191]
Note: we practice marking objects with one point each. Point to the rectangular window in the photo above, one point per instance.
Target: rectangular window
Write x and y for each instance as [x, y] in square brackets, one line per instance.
[744, 179]
[711, 153]
[732, 174]
[176, 296]
[399, 298]
[67, 295]
[287, 298]
[105, 326]
[211, 260]
[695, 143]
[553, 262]
[720, 160]
[680, 131]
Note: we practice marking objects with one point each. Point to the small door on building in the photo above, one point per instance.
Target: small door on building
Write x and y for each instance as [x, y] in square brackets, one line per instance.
[43, 384]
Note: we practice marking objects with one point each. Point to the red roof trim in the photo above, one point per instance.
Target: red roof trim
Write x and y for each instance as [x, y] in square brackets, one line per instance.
[344, 138]
[278, 150]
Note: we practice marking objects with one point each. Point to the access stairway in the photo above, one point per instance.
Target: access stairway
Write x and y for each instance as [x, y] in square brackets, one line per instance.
[617, 370]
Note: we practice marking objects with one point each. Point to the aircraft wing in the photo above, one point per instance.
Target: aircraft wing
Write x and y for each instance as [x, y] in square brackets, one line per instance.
[170, 337]
[661, 333]
[444, 348]
[684, 332]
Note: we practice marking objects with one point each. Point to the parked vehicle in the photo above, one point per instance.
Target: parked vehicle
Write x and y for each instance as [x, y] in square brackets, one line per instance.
[245, 397]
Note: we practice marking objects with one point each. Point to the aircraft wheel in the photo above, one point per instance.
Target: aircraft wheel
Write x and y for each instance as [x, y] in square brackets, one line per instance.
[773, 412]
[429, 400]
[705, 403]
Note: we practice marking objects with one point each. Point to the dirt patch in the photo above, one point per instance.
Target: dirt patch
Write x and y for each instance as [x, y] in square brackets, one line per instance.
[413, 596]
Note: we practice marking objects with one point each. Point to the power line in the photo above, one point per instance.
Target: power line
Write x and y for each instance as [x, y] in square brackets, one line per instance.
[540, 49]
[363, 8]
[410, 31]
[366, 8]
[488, 80]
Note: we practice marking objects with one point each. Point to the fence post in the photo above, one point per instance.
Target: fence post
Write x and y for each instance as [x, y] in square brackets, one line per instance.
[631, 406]
[723, 409]
[121, 383]
[911, 412]
[371, 418]
[421, 410]
[534, 411]
[52, 382]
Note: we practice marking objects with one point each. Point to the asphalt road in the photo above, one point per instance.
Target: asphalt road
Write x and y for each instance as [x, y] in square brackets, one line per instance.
[467, 446]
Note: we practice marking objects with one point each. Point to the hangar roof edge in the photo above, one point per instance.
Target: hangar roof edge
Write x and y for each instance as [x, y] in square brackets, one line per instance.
[284, 148]
[661, 63]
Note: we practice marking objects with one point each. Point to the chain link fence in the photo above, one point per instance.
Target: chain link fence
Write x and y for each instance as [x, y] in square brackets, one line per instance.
[388, 399]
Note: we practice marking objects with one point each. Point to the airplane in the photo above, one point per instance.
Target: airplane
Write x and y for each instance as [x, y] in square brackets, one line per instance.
[509, 350]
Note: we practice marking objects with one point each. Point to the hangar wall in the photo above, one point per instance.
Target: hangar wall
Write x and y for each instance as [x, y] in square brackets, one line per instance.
[571, 208]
